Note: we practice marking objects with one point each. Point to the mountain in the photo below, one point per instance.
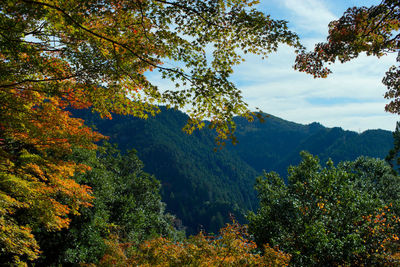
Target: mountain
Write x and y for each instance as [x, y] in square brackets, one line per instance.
[276, 143]
[203, 187]
[200, 186]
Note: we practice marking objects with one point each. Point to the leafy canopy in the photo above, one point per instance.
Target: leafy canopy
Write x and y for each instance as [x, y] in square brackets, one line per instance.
[127, 206]
[57, 54]
[95, 53]
[373, 30]
[331, 216]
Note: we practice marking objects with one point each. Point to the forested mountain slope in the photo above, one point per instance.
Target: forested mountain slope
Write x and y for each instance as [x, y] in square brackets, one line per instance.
[203, 187]
[276, 143]
[200, 186]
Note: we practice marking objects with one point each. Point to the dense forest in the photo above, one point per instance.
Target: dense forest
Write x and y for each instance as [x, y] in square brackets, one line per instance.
[202, 186]
[74, 73]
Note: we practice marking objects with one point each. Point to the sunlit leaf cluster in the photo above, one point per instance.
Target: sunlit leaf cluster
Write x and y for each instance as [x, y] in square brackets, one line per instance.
[230, 248]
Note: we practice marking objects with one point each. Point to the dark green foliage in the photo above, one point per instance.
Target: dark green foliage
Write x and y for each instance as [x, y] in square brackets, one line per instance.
[276, 144]
[265, 145]
[393, 157]
[127, 204]
[324, 215]
[198, 183]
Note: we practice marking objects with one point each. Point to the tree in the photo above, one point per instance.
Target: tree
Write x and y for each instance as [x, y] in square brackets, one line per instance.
[36, 188]
[392, 157]
[95, 53]
[127, 205]
[331, 216]
[230, 248]
[372, 30]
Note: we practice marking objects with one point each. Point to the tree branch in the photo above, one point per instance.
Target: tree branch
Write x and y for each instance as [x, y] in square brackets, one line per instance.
[37, 81]
[194, 11]
[106, 38]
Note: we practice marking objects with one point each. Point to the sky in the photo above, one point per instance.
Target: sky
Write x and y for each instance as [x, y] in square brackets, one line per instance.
[351, 97]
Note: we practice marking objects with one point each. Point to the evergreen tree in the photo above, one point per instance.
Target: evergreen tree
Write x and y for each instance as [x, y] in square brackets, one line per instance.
[393, 157]
[333, 216]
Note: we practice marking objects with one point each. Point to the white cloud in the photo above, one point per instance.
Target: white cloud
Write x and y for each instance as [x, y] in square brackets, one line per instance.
[276, 88]
[309, 15]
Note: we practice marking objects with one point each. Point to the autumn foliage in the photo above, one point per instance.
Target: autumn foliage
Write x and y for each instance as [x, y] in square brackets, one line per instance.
[231, 247]
[381, 236]
[371, 30]
[36, 135]
[56, 55]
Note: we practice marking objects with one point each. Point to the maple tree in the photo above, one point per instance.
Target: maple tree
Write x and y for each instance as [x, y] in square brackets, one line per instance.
[57, 54]
[373, 30]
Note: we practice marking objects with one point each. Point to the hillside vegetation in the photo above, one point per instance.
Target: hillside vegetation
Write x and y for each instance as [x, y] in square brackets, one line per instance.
[202, 186]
